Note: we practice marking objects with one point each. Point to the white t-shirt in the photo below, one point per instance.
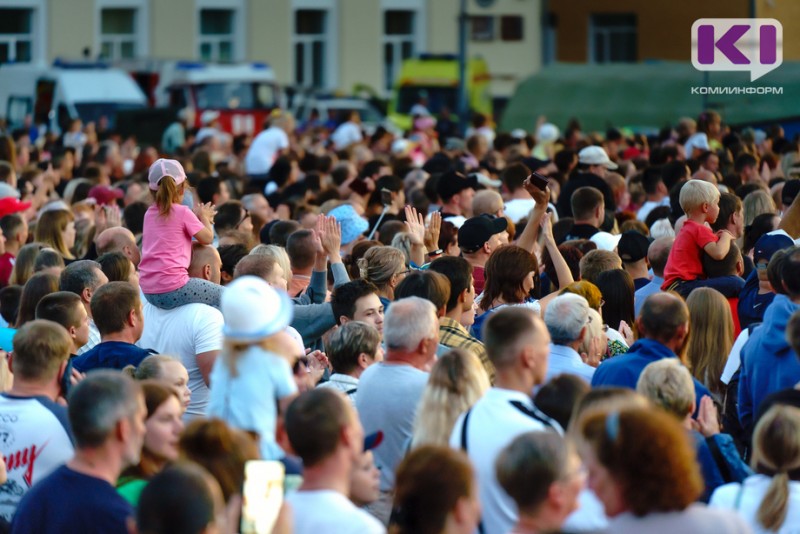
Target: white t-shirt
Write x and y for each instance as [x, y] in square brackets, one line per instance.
[318, 511]
[752, 494]
[519, 208]
[34, 441]
[649, 206]
[248, 400]
[264, 150]
[185, 332]
[493, 423]
[346, 134]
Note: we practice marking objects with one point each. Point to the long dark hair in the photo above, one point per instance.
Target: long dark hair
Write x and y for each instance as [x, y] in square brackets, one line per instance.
[506, 269]
[617, 289]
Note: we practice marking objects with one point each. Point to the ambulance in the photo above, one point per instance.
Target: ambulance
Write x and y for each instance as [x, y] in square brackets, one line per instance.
[52, 96]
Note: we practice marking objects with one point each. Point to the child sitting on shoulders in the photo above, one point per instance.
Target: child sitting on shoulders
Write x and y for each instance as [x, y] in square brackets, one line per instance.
[684, 269]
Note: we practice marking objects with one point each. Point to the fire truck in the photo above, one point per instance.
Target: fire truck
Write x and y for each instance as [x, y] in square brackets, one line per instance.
[242, 93]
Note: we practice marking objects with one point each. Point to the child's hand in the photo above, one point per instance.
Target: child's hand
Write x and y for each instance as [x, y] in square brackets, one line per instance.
[205, 212]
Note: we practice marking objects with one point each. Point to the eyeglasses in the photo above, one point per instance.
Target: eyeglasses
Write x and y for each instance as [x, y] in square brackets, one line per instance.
[602, 302]
[244, 218]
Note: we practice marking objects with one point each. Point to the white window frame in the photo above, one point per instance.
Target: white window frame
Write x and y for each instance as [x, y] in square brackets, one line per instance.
[237, 36]
[38, 35]
[416, 37]
[606, 32]
[330, 39]
[141, 28]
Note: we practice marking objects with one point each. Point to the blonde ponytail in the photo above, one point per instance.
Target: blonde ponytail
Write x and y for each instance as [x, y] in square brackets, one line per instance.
[775, 505]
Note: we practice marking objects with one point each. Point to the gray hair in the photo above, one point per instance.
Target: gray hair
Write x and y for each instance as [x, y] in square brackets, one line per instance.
[408, 322]
[348, 342]
[80, 275]
[565, 317]
[98, 403]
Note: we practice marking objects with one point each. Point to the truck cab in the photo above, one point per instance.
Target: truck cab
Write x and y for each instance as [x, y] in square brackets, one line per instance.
[242, 93]
[435, 78]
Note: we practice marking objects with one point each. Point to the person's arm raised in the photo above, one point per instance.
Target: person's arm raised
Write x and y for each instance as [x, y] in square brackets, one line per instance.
[559, 263]
[531, 232]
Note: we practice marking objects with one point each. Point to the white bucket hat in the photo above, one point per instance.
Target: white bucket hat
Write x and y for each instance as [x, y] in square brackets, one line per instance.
[254, 310]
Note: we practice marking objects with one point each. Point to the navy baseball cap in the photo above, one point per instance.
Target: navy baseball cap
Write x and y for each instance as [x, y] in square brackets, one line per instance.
[769, 244]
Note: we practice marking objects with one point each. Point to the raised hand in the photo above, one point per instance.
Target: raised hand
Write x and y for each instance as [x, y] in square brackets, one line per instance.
[707, 418]
[541, 197]
[330, 232]
[205, 212]
[432, 232]
[415, 225]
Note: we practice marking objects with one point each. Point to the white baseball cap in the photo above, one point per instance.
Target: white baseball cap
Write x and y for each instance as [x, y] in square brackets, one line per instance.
[254, 310]
[606, 241]
[595, 155]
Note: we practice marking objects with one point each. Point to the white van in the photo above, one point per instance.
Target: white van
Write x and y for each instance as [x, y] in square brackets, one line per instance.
[55, 95]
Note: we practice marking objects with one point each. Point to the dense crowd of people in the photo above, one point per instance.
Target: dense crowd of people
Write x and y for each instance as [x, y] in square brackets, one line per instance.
[523, 332]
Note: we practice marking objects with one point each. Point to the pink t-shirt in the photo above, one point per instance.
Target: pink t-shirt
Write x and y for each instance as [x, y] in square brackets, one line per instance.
[685, 260]
[167, 249]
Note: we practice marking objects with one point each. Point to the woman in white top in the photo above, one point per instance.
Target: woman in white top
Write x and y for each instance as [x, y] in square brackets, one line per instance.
[770, 500]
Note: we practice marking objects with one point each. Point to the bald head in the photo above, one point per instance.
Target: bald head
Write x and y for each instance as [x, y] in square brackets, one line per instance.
[658, 253]
[118, 239]
[206, 263]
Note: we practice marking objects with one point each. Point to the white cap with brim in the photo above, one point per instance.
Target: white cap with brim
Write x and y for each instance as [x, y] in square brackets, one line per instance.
[595, 155]
[606, 241]
[253, 310]
[7, 190]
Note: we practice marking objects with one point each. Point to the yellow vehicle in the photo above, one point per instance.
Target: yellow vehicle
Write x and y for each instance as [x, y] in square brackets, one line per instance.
[432, 81]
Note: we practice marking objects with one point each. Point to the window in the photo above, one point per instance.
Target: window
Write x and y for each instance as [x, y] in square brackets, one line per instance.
[481, 28]
[511, 28]
[612, 38]
[398, 42]
[310, 44]
[16, 35]
[217, 34]
[118, 33]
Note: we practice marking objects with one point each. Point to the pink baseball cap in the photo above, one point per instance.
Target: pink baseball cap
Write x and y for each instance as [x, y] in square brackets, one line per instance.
[165, 167]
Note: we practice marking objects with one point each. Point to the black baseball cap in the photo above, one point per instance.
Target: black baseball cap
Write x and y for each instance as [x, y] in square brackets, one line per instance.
[451, 183]
[632, 246]
[478, 230]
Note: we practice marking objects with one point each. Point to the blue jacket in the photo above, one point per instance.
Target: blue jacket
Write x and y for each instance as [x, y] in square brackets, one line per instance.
[752, 305]
[768, 363]
[727, 467]
[624, 370]
[110, 355]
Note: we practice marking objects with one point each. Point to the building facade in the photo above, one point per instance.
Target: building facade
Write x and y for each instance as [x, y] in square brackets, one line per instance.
[609, 31]
[332, 45]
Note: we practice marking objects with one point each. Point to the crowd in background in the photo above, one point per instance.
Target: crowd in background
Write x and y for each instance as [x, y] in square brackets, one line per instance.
[525, 331]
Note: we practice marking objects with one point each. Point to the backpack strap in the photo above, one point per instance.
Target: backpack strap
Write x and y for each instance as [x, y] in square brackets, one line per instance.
[481, 528]
[535, 413]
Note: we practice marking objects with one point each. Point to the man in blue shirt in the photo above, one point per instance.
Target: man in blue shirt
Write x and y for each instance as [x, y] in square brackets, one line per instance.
[657, 254]
[107, 413]
[663, 326]
[117, 312]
